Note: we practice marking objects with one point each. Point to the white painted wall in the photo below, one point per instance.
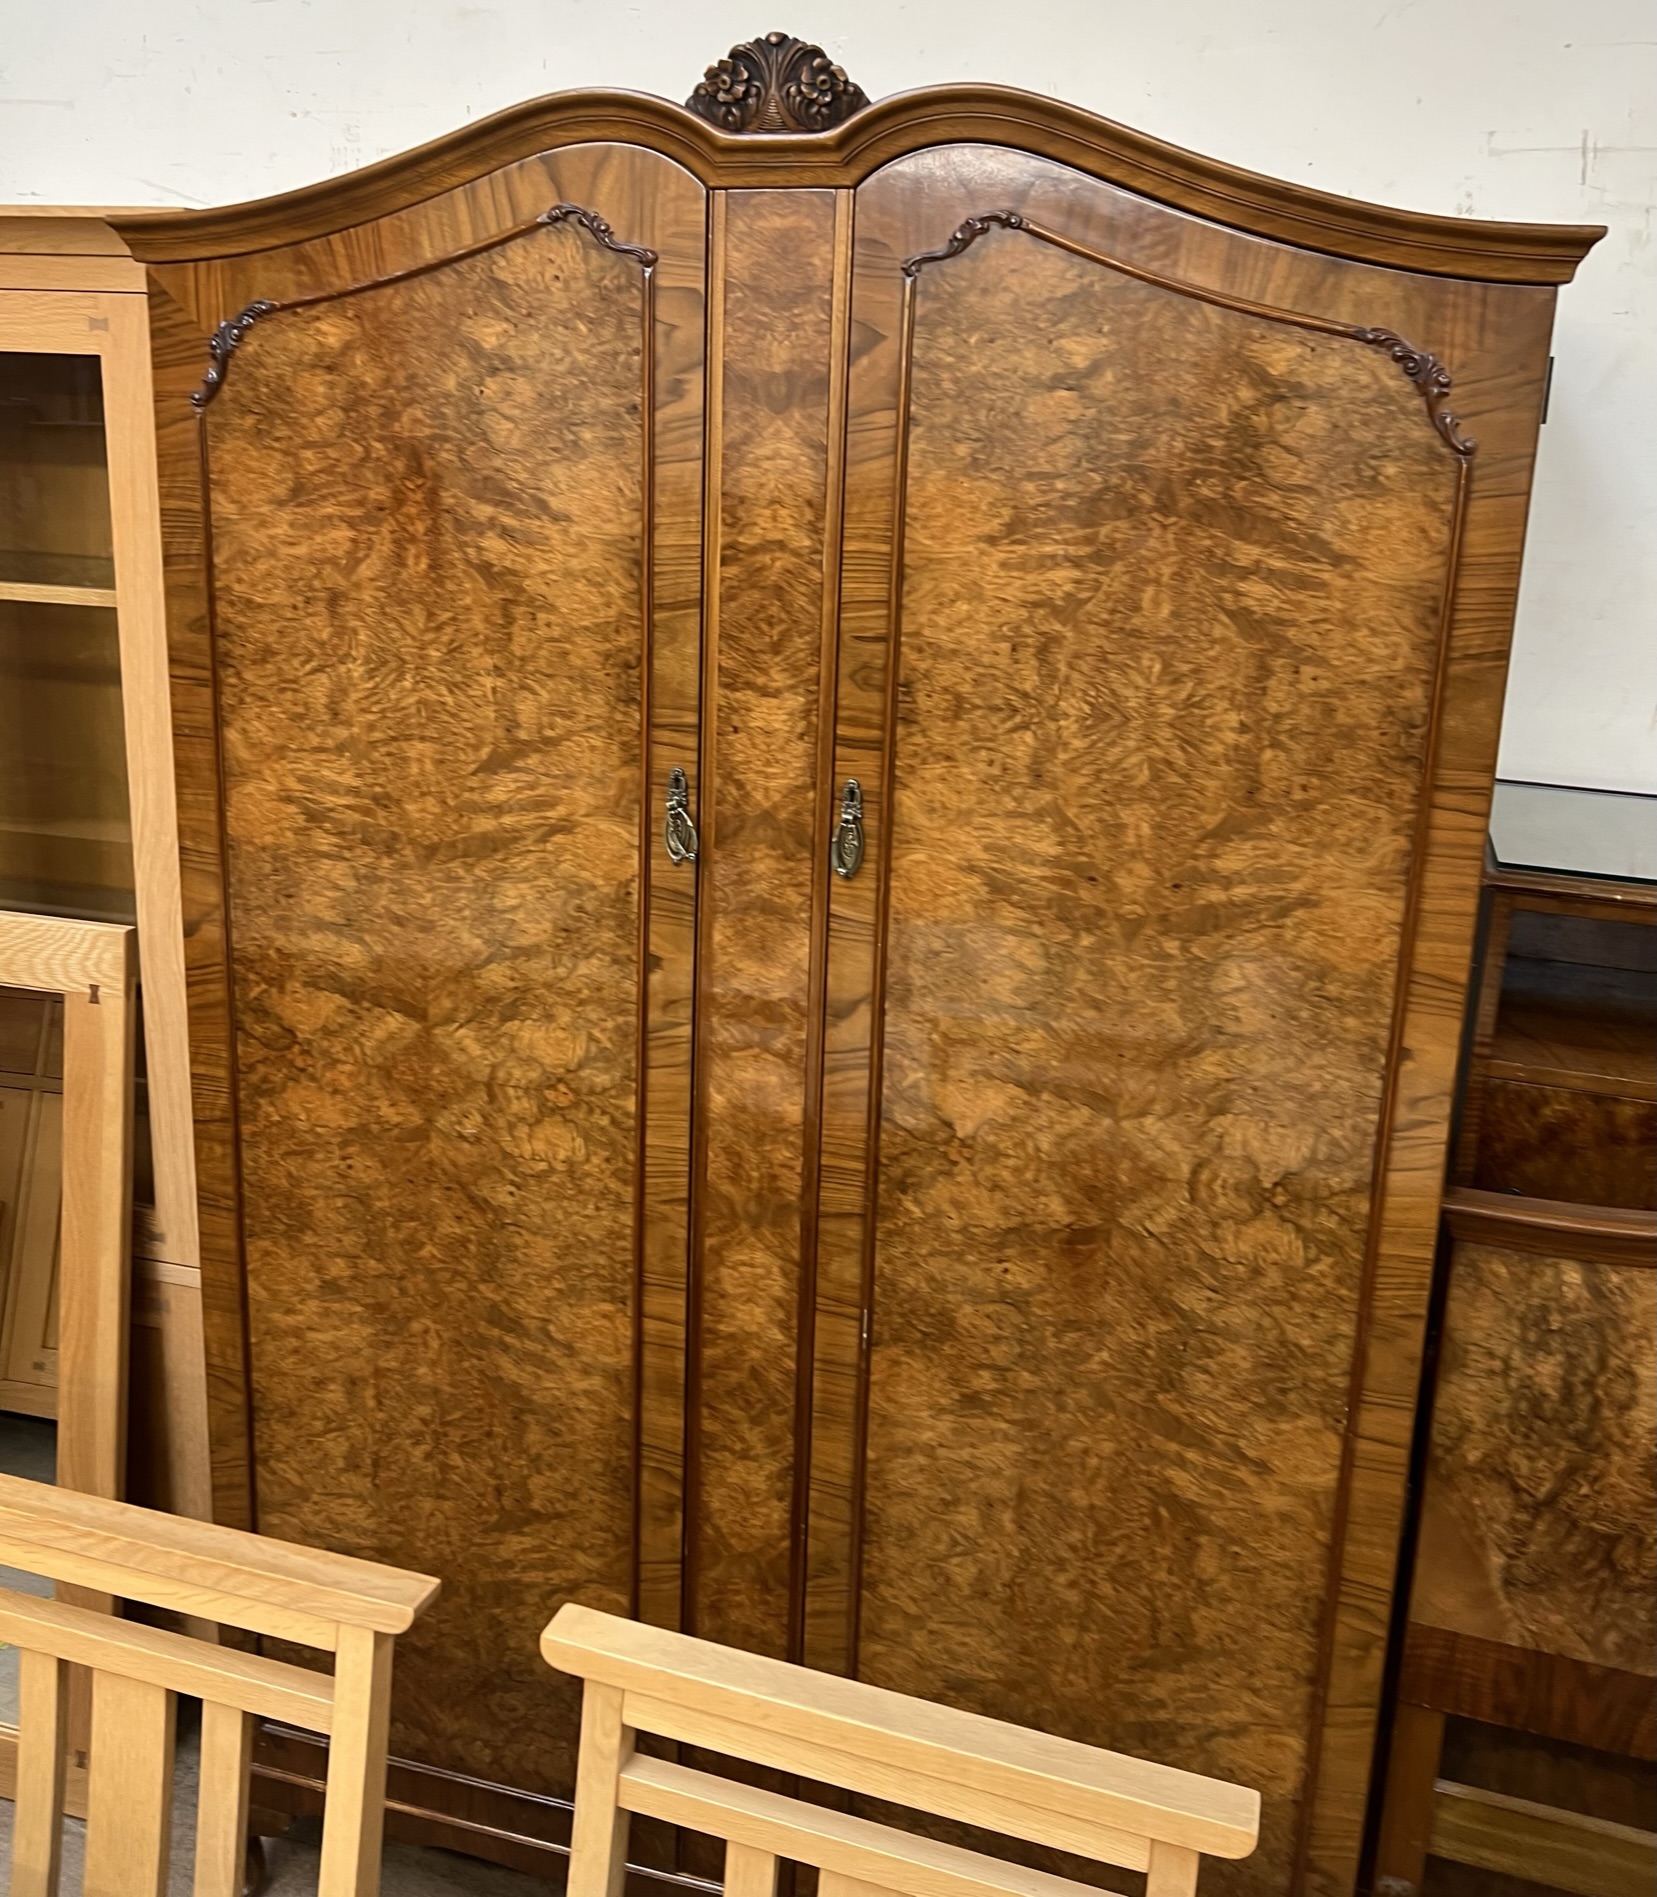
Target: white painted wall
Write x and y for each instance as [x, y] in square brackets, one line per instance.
[1528, 109]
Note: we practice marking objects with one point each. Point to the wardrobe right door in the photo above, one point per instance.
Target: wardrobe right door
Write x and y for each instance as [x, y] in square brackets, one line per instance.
[1148, 548]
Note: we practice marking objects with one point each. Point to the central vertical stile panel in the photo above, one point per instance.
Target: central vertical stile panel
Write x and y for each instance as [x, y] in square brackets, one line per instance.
[455, 547]
[779, 283]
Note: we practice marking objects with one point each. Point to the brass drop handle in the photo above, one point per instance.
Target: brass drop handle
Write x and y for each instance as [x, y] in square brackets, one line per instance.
[846, 849]
[678, 826]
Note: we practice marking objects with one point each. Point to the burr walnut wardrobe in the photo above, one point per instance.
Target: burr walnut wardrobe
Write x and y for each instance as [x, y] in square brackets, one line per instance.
[832, 765]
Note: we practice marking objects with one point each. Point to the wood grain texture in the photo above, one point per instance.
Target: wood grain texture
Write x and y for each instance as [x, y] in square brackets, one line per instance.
[751, 1873]
[129, 421]
[1414, 1748]
[44, 272]
[1613, 1235]
[1563, 892]
[1542, 1844]
[95, 1244]
[65, 840]
[598, 1834]
[1493, 337]
[1552, 1771]
[665, 204]
[796, 1719]
[31, 1185]
[109, 1644]
[854, 1852]
[1524, 1691]
[54, 230]
[115, 329]
[129, 1798]
[1535, 1527]
[201, 1569]
[1552, 1142]
[94, 966]
[651, 201]
[419, 610]
[646, 199]
[1149, 861]
[1384, 1116]
[62, 955]
[760, 819]
[1560, 1073]
[222, 1807]
[354, 1820]
[854, 151]
[74, 1794]
[168, 1464]
[177, 346]
[1588, 1040]
[249, 1583]
[37, 1792]
[1559, 1096]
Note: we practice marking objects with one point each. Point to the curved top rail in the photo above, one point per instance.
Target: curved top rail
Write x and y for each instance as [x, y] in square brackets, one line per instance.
[850, 151]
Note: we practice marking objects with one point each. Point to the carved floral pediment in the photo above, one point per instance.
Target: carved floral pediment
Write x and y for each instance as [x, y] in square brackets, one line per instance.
[776, 84]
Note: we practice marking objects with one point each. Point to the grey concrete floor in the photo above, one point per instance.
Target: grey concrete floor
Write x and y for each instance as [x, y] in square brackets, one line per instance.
[28, 1448]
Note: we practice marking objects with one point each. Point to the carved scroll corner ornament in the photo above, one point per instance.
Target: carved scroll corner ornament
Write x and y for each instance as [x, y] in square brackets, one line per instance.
[226, 339]
[221, 346]
[964, 236]
[600, 232]
[1429, 376]
[776, 84]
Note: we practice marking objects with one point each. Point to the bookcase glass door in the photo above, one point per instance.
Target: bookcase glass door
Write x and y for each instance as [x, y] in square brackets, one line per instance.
[65, 835]
[65, 838]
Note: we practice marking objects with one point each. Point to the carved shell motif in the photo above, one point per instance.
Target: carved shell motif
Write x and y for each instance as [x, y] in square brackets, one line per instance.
[776, 84]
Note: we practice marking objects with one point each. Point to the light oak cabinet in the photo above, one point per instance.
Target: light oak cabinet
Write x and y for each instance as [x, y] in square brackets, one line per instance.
[86, 798]
[65, 838]
[31, 1164]
[832, 767]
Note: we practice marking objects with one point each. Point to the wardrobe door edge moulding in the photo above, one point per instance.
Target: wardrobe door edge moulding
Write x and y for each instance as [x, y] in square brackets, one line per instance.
[759, 382]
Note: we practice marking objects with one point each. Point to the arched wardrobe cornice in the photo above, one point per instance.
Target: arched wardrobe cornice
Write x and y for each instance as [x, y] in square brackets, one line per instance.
[868, 139]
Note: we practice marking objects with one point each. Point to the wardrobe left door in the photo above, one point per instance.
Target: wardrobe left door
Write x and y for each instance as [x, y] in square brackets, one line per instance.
[434, 530]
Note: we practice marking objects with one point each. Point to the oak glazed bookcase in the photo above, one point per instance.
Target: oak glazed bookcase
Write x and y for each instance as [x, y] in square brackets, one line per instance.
[833, 760]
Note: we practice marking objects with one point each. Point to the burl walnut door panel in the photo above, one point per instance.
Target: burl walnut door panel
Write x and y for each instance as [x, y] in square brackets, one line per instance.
[1538, 1497]
[1147, 558]
[454, 641]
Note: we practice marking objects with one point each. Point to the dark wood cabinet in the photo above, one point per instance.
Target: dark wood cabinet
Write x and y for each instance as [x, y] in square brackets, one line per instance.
[1524, 1734]
[833, 779]
[1561, 1093]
